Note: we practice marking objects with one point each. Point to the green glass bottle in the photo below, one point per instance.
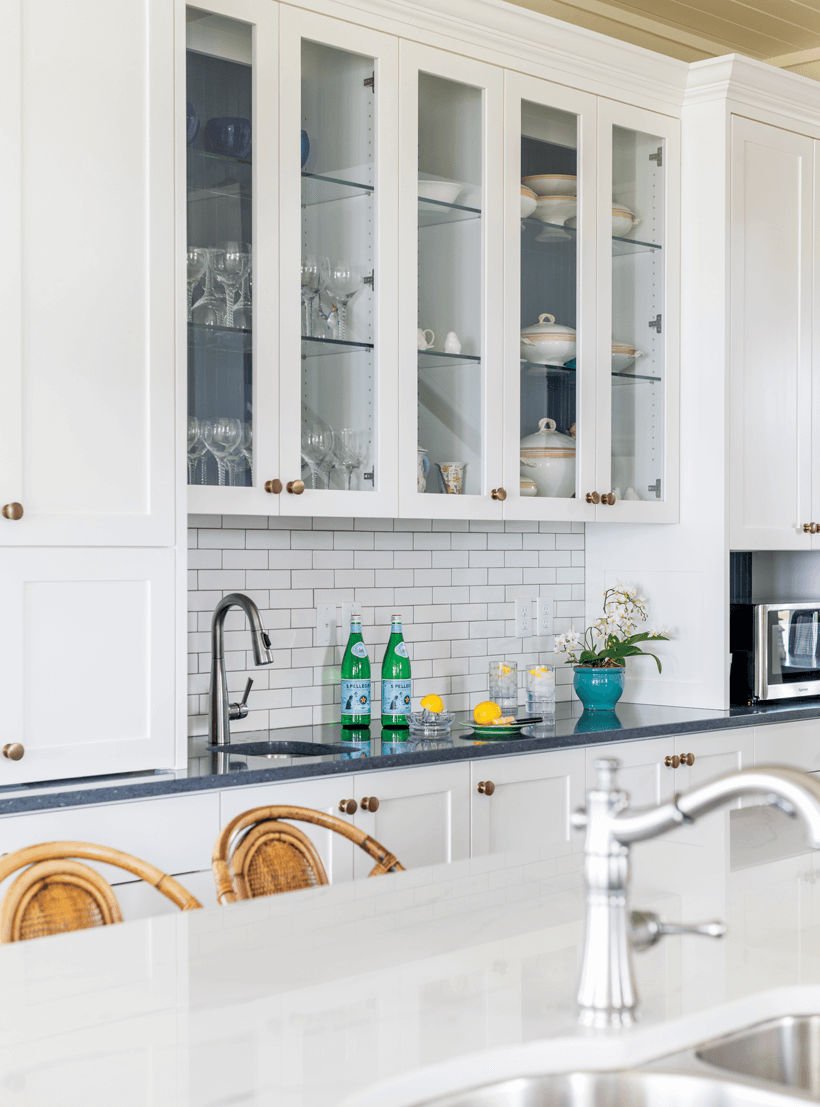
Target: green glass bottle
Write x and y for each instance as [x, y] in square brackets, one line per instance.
[395, 679]
[356, 678]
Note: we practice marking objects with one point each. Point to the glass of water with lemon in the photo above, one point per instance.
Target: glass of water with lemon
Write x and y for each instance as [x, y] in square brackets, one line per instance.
[504, 686]
[541, 690]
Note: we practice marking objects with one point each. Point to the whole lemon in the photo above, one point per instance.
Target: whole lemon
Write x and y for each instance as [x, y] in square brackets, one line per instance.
[433, 703]
[485, 712]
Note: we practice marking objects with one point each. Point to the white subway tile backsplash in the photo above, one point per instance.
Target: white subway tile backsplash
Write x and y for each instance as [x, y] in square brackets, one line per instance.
[453, 582]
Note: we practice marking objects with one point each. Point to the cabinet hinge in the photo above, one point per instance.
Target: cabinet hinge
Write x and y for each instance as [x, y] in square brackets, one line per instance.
[656, 324]
[656, 488]
[371, 280]
[370, 82]
[657, 156]
[371, 475]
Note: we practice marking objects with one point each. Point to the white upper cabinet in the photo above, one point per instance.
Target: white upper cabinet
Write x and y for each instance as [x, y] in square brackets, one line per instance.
[86, 291]
[771, 497]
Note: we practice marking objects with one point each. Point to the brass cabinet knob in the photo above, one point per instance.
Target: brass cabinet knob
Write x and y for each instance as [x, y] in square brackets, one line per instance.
[12, 511]
[609, 498]
[348, 807]
[370, 803]
[808, 528]
[592, 498]
[274, 486]
[675, 761]
[295, 487]
[486, 787]
[687, 759]
[671, 762]
[14, 751]
[498, 494]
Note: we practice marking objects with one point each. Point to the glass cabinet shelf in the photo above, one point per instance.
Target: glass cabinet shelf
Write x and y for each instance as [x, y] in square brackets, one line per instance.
[534, 370]
[319, 189]
[434, 212]
[322, 347]
[201, 336]
[561, 235]
[437, 359]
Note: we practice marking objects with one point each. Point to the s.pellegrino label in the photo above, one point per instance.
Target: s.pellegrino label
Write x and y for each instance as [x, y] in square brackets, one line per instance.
[396, 684]
[356, 678]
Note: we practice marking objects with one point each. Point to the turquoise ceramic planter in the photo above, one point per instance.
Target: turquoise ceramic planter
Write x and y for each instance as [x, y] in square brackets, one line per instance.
[599, 689]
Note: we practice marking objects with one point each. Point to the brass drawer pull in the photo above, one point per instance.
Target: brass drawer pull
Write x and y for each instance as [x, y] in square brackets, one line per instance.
[370, 803]
[486, 787]
[348, 807]
[295, 487]
[14, 751]
[13, 511]
[274, 486]
[498, 494]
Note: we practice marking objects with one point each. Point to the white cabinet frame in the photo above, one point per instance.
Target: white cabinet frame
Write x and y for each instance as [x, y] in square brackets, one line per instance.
[412, 504]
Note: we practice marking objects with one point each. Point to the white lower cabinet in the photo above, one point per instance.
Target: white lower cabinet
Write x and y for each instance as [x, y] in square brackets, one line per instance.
[423, 814]
[794, 744]
[322, 794]
[715, 753]
[526, 800]
[643, 774]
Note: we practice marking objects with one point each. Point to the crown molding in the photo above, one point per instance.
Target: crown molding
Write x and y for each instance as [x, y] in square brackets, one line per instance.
[757, 84]
[527, 41]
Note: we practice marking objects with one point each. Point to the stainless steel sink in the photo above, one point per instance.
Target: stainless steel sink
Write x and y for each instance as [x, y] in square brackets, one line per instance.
[784, 1051]
[619, 1089]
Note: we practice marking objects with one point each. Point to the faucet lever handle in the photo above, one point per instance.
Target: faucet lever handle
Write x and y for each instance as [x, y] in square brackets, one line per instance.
[240, 710]
[648, 929]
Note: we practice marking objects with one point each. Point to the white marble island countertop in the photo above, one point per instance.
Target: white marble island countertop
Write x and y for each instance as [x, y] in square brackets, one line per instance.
[391, 990]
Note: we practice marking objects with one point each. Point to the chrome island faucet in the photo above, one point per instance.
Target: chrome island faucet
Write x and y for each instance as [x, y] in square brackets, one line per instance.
[607, 996]
[219, 726]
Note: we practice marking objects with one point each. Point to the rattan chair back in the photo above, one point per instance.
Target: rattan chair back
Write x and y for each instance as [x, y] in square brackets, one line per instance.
[259, 854]
[56, 894]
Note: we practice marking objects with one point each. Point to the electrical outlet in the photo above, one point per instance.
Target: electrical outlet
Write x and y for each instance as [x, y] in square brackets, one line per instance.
[326, 624]
[523, 618]
[348, 609]
[543, 616]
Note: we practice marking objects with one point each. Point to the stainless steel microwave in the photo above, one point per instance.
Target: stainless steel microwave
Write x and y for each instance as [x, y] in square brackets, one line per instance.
[775, 651]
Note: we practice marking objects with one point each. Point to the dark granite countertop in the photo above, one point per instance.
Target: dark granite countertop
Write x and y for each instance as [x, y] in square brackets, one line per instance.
[288, 754]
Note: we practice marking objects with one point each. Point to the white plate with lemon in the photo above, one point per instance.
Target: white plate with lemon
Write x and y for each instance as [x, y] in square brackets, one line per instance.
[489, 722]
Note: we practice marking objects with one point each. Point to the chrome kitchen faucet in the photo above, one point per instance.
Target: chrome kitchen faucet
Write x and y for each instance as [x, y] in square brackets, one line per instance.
[607, 996]
[219, 725]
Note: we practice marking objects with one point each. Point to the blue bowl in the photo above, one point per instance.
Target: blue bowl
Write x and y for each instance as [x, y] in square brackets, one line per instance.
[228, 136]
[192, 123]
[599, 689]
[305, 148]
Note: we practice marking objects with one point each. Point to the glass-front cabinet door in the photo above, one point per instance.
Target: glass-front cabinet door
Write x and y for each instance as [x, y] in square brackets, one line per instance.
[231, 253]
[550, 301]
[450, 286]
[638, 244]
[338, 340]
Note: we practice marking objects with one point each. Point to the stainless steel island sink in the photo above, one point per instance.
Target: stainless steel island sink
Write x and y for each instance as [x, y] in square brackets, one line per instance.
[784, 1051]
[618, 1089]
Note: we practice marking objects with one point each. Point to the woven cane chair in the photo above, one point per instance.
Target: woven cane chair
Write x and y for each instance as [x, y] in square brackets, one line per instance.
[274, 856]
[56, 894]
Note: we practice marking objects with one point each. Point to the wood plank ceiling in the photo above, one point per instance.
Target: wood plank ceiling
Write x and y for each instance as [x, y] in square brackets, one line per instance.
[785, 33]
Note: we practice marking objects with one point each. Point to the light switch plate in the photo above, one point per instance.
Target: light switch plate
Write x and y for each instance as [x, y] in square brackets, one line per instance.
[543, 616]
[523, 618]
[326, 624]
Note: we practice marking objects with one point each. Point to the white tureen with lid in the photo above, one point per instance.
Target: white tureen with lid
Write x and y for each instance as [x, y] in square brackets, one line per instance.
[548, 459]
[547, 342]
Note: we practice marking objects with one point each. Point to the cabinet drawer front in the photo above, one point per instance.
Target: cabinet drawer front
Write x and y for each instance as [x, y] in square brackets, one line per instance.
[175, 834]
[335, 851]
[793, 744]
[531, 802]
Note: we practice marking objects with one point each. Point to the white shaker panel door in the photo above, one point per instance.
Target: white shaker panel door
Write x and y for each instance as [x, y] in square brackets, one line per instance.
[771, 332]
[87, 288]
[525, 801]
[643, 773]
[796, 745]
[422, 817]
[87, 648]
[324, 795]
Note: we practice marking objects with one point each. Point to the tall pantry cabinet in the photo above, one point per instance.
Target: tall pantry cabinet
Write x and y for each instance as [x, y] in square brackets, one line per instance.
[87, 468]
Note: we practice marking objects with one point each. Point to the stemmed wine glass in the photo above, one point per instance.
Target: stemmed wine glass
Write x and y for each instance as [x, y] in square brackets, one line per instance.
[243, 308]
[317, 443]
[197, 264]
[351, 450]
[314, 278]
[209, 309]
[230, 268]
[342, 284]
[222, 437]
[196, 449]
